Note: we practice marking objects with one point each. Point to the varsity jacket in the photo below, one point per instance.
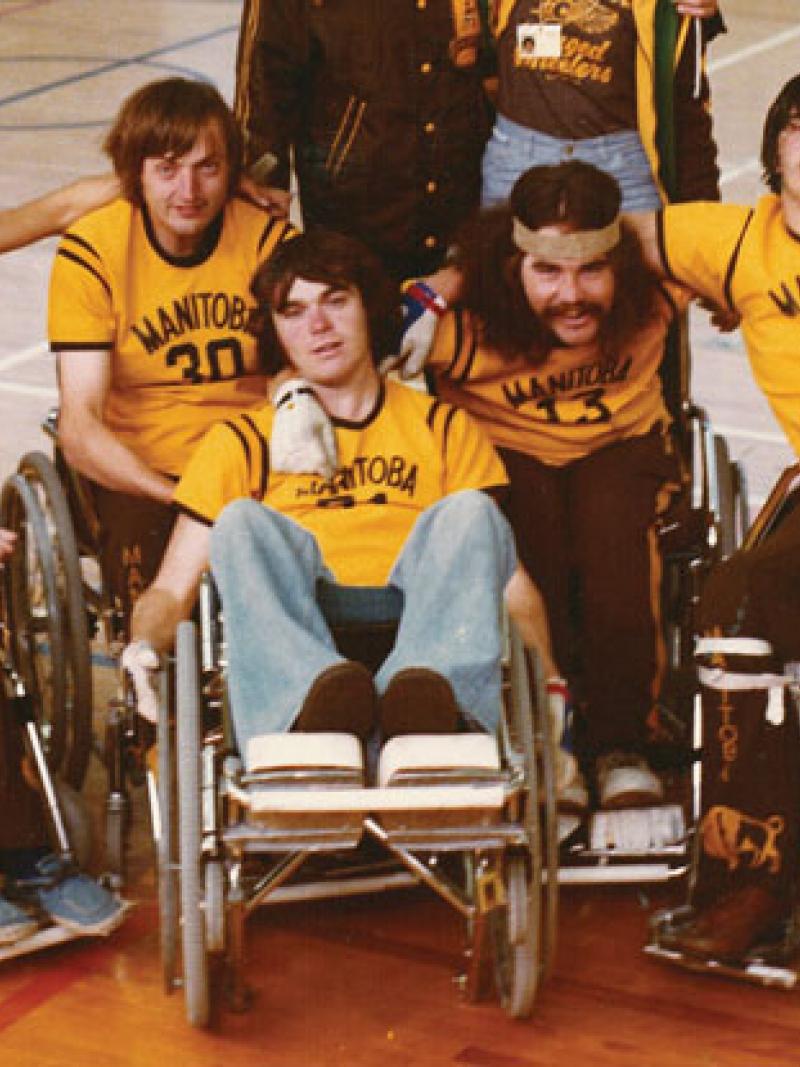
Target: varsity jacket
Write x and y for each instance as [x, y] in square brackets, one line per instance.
[383, 107]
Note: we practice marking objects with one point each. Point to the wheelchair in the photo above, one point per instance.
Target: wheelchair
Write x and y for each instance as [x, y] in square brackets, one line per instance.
[774, 963]
[56, 606]
[470, 816]
[705, 523]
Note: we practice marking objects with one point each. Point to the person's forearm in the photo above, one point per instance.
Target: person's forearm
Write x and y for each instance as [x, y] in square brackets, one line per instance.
[155, 618]
[93, 450]
[527, 611]
[53, 212]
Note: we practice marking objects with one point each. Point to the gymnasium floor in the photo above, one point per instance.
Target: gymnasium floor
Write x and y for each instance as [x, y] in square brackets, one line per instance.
[64, 67]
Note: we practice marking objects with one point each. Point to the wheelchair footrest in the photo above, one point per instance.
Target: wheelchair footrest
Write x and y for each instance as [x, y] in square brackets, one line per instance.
[637, 830]
[436, 761]
[280, 769]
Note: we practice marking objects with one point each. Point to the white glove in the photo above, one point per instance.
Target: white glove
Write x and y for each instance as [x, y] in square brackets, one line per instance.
[140, 660]
[302, 441]
[422, 309]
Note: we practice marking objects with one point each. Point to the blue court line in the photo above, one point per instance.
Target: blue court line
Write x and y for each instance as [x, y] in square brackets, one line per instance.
[106, 68]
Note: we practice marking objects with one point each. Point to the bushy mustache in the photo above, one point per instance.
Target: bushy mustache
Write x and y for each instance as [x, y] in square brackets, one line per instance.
[582, 307]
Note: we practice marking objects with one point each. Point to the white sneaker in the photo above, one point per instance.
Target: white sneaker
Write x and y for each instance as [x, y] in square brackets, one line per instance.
[624, 780]
[573, 796]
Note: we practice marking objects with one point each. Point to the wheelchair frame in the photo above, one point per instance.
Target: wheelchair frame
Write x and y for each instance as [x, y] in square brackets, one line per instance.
[774, 964]
[508, 895]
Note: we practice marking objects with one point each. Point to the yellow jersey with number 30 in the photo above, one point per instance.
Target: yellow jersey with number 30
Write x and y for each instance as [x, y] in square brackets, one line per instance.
[176, 328]
[574, 402]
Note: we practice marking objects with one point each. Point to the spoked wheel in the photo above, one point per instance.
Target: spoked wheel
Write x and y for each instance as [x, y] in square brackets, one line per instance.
[732, 519]
[514, 937]
[41, 476]
[524, 941]
[164, 819]
[32, 621]
[189, 735]
[546, 752]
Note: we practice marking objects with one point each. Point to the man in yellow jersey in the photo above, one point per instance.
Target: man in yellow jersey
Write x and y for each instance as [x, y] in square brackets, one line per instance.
[149, 302]
[748, 260]
[555, 349]
[402, 522]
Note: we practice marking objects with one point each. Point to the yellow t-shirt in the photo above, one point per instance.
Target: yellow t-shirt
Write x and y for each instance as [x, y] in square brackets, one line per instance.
[746, 259]
[567, 407]
[181, 358]
[411, 451]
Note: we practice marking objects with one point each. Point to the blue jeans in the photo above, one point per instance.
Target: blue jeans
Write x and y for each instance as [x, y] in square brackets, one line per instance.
[512, 149]
[451, 574]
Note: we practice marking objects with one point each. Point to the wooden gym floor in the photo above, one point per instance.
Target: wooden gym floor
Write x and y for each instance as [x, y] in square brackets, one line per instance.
[366, 982]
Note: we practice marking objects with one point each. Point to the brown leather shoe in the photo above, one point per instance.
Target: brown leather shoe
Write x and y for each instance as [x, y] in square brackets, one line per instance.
[418, 701]
[340, 700]
[728, 929]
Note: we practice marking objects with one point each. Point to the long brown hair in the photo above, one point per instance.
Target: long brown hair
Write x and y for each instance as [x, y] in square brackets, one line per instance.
[330, 258]
[784, 108]
[584, 198]
[164, 118]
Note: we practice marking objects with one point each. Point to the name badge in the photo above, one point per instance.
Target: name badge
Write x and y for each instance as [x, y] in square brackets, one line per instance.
[538, 40]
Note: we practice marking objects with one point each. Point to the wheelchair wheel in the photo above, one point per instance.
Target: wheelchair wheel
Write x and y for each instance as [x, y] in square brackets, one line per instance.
[188, 711]
[546, 750]
[32, 623]
[732, 517]
[163, 821]
[41, 476]
[514, 940]
[529, 928]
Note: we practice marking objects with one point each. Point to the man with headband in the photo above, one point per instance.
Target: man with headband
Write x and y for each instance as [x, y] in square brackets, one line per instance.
[555, 348]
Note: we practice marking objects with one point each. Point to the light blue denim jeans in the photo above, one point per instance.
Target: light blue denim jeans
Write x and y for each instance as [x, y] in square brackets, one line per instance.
[451, 574]
[512, 149]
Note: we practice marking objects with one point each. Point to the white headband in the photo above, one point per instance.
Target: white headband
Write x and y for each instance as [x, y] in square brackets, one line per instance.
[583, 244]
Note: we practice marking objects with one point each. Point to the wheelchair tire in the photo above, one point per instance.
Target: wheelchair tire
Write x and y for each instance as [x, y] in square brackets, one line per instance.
[41, 475]
[514, 938]
[519, 966]
[190, 831]
[732, 519]
[164, 821]
[31, 612]
[546, 750]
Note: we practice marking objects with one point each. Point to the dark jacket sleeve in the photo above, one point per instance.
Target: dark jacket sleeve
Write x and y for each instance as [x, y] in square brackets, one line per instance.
[271, 72]
[696, 149]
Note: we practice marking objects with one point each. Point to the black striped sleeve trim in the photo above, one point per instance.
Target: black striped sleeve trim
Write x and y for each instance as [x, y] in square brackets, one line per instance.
[189, 513]
[283, 229]
[75, 258]
[668, 300]
[81, 346]
[662, 246]
[432, 410]
[465, 349]
[728, 284]
[449, 415]
[82, 243]
[263, 448]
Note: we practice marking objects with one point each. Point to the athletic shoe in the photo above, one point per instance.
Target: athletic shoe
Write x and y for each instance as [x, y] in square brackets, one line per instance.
[15, 923]
[573, 797]
[77, 902]
[624, 780]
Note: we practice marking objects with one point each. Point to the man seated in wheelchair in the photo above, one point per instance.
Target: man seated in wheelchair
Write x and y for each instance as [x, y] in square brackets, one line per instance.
[149, 298]
[407, 513]
[748, 259]
[555, 346]
[39, 887]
